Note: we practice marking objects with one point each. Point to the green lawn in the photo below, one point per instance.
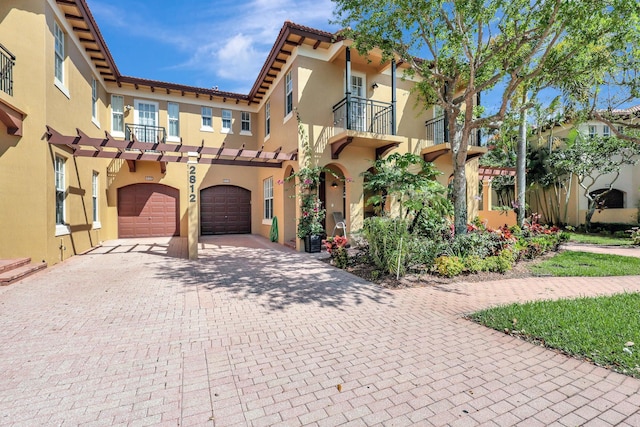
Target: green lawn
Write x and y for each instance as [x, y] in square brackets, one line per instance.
[597, 239]
[573, 263]
[605, 330]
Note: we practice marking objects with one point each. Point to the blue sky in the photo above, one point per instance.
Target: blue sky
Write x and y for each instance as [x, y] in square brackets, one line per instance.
[202, 43]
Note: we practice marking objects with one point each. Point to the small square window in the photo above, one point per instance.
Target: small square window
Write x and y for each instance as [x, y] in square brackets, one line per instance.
[226, 121]
[117, 115]
[173, 112]
[207, 119]
[246, 122]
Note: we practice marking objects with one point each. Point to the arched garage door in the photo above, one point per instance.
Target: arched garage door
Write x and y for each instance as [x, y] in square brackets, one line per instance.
[148, 210]
[225, 209]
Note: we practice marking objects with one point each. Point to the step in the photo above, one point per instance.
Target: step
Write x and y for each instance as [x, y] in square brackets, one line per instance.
[19, 273]
[290, 244]
[10, 264]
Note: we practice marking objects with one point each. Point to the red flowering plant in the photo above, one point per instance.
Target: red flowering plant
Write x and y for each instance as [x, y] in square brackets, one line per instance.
[337, 247]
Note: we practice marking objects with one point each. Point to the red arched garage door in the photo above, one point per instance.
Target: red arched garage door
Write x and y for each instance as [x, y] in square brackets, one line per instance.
[225, 209]
[148, 210]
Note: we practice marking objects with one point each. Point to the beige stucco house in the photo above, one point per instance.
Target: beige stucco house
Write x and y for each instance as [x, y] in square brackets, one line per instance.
[622, 203]
[88, 154]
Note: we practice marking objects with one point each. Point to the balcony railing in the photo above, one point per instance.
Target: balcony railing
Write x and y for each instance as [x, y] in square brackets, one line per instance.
[7, 61]
[364, 115]
[436, 132]
[146, 133]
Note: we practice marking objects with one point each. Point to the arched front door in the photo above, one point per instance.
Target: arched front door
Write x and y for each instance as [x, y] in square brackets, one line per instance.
[225, 209]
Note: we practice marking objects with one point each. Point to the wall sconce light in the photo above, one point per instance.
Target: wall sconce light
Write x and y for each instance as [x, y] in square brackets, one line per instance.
[334, 185]
[374, 85]
[128, 107]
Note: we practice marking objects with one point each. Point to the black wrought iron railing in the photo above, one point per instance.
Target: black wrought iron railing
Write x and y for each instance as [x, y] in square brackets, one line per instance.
[437, 133]
[146, 133]
[7, 61]
[364, 115]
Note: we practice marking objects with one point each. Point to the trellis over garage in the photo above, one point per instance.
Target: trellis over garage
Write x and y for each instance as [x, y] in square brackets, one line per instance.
[166, 205]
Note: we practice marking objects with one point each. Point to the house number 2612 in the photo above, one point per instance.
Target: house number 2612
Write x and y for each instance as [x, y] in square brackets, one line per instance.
[192, 184]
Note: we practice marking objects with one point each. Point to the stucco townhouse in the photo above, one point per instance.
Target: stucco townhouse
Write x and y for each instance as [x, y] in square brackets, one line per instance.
[88, 154]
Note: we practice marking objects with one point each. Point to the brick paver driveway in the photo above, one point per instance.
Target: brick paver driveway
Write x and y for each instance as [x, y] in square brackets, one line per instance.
[251, 336]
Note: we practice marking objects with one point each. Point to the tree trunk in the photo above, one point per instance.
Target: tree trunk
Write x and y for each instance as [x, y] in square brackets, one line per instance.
[459, 154]
[521, 175]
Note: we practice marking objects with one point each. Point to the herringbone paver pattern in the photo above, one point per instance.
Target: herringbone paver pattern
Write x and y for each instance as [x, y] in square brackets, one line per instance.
[259, 337]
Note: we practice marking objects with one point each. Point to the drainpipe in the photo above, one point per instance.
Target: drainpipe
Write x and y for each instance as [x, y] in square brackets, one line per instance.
[393, 96]
[348, 90]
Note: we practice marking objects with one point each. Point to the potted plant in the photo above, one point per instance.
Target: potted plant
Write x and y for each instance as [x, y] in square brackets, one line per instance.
[312, 214]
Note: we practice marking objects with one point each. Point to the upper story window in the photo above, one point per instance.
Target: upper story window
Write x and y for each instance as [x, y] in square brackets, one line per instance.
[246, 123]
[606, 131]
[593, 131]
[173, 112]
[117, 115]
[226, 121]
[267, 186]
[94, 101]
[59, 54]
[288, 90]
[267, 118]
[207, 119]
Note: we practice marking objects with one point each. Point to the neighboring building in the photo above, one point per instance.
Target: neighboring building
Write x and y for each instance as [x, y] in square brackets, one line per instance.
[87, 154]
[622, 204]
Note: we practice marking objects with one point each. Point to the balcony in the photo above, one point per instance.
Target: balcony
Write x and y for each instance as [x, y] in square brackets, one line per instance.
[363, 122]
[7, 61]
[146, 133]
[438, 141]
[364, 115]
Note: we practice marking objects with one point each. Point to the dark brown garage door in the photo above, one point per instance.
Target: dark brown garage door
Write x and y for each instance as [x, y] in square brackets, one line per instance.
[225, 209]
[148, 210]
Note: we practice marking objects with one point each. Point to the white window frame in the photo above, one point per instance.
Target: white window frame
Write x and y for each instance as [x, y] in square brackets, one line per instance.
[136, 118]
[94, 102]
[245, 117]
[358, 109]
[60, 183]
[288, 94]
[173, 118]
[227, 122]
[267, 193]
[58, 60]
[206, 114]
[606, 131]
[620, 129]
[267, 120]
[117, 115]
[95, 185]
[593, 131]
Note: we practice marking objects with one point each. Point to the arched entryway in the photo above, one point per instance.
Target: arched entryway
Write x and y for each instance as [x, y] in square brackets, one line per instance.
[225, 209]
[148, 210]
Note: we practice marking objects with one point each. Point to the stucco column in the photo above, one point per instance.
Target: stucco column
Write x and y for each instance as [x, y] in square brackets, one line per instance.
[193, 220]
[486, 195]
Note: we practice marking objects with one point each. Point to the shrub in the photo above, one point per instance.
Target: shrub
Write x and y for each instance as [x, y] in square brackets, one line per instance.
[449, 266]
[473, 264]
[635, 235]
[386, 237]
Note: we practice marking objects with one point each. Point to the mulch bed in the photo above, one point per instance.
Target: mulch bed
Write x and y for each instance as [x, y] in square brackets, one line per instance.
[369, 273]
